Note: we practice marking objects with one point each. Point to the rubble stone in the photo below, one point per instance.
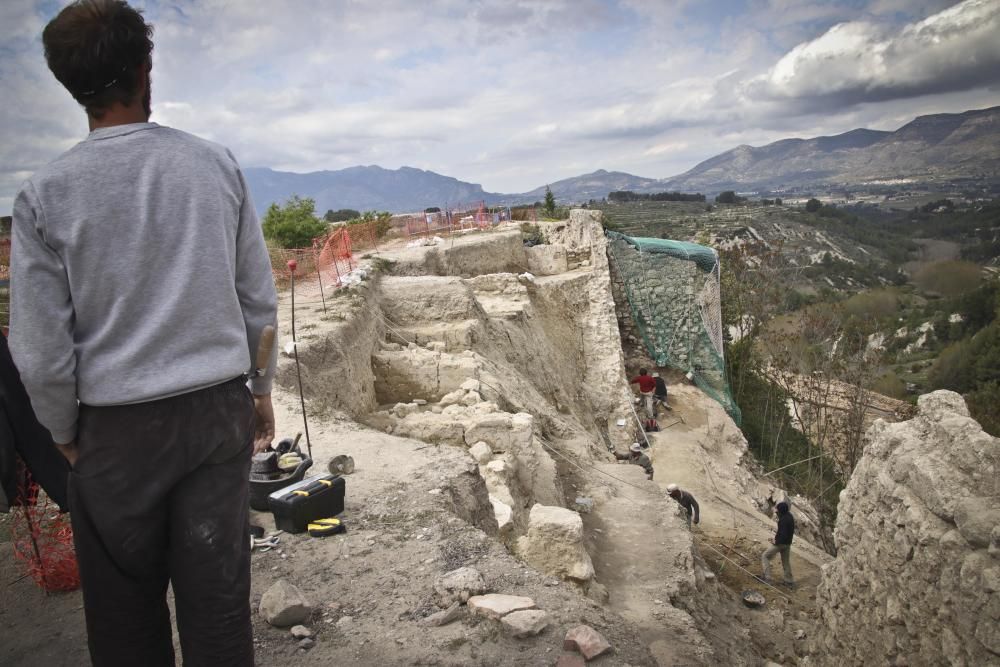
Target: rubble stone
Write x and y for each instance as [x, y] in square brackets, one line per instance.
[554, 543]
[283, 605]
[496, 605]
[481, 452]
[445, 616]
[301, 632]
[526, 623]
[459, 585]
[588, 641]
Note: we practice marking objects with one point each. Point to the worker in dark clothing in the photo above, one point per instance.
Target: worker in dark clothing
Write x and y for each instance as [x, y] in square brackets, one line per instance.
[687, 501]
[646, 387]
[636, 456]
[782, 545]
[660, 392]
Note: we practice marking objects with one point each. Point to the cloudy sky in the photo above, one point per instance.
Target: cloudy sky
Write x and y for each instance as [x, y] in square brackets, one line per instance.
[516, 93]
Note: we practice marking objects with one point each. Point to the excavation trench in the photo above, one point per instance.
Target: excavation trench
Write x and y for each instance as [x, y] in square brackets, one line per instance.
[514, 355]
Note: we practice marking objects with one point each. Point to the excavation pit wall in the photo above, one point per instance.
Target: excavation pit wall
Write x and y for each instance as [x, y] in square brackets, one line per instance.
[461, 343]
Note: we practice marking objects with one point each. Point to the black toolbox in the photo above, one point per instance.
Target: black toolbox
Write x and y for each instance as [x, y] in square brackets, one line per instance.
[318, 497]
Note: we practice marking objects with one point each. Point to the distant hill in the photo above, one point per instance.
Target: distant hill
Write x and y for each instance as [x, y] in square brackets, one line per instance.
[928, 149]
[595, 185]
[363, 189]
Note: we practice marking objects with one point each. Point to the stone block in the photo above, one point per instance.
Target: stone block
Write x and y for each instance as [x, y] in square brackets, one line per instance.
[554, 543]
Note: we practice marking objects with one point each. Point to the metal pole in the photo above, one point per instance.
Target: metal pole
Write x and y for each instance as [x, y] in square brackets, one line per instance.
[320, 276]
[292, 265]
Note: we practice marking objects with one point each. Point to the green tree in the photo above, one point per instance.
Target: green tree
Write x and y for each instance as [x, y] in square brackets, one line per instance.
[727, 197]
[813, 205]
[382, 220]
[293, 225]
[341, 215]
[550, 203]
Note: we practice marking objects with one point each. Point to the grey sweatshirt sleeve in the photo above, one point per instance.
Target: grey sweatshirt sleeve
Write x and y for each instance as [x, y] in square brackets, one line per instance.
[41, 312]
[255, 286]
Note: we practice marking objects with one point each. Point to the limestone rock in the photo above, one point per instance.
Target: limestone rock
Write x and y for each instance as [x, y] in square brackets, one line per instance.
[481, 452]
[452, 397]
[526, 623]
[554, 543]
[459, 585]
[914, 581]
[504, 515]
[403, 409]
[496, 605]
[547, 259]
[283, 605]
[445, 616]
[588, 641]
[301, 632]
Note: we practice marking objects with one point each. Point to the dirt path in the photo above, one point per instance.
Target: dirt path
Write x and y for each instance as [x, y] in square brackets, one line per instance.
[732, 534]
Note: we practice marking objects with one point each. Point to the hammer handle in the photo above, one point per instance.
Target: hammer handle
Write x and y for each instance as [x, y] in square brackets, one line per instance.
[264, 348]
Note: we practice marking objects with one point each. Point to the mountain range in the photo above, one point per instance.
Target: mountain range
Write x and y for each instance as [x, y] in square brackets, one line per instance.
[930, 149]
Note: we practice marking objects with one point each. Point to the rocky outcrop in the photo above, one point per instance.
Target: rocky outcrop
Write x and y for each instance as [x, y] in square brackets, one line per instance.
[917, 577]
[554, 543]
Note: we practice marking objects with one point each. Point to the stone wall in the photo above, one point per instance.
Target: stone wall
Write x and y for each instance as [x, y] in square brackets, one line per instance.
[917, 577]
[665, 291]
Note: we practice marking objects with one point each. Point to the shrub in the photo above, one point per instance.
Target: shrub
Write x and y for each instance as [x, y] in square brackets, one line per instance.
[949, 279]
[293, 225]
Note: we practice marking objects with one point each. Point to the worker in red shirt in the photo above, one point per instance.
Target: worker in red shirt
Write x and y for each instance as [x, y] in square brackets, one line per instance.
[647, 384]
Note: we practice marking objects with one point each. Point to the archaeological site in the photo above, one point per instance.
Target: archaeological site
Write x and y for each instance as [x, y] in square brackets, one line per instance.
[480, 386]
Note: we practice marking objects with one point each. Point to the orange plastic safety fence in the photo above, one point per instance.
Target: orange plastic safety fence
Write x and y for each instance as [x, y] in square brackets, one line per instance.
[43, 539]
[4, 259]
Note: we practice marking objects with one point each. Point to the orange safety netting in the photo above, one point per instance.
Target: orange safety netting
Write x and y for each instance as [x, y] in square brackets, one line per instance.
[43, 539]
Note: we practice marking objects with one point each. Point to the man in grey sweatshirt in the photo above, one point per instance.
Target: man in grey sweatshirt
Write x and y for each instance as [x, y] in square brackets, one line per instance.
[140, 284]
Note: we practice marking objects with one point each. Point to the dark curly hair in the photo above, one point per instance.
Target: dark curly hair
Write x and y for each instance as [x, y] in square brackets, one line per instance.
[96, 49]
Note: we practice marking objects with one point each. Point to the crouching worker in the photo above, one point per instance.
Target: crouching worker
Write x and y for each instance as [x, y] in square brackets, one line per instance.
[635, 455]
[687, 501]
[140, 287]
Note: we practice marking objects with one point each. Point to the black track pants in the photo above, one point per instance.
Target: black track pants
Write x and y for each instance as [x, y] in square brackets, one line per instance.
[160, 494]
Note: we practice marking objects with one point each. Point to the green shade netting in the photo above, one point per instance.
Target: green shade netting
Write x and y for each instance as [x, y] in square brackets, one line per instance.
[673, 292]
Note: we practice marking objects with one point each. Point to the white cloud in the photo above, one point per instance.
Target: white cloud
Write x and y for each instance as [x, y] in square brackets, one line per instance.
[955, 49]
[511, 93]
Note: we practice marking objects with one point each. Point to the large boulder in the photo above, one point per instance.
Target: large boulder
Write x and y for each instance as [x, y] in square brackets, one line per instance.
[915, 580]
[554, 543]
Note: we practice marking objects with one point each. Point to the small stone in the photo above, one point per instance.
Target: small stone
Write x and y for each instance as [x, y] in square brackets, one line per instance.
[800, 634]
[301, 632]
[496, 606]
[283, 605]
[527, 623]
[588, 641]
[459, 585]
[345, 622]
[306, 644]
[435, 492]
[445, 616]
[597, 592]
